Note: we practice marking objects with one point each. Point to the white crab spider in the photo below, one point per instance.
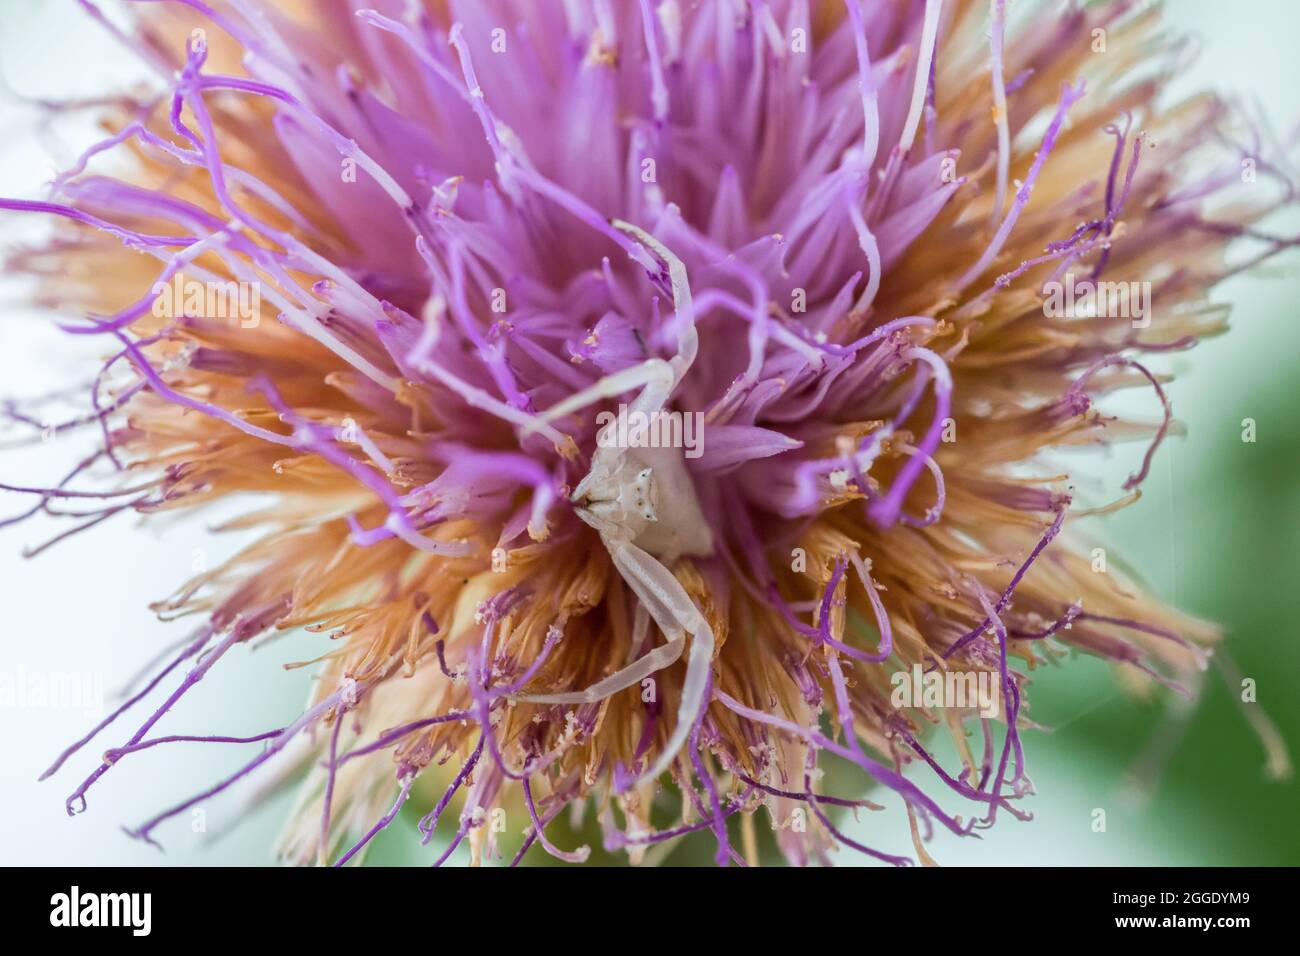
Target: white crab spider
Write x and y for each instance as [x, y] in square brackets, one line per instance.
[627, 496]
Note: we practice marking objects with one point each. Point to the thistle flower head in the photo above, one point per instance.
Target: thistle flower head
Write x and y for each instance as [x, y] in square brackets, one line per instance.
[639, 388]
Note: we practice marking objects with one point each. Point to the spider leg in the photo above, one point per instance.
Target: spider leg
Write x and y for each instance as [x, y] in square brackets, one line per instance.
[654, 377]
[629, 676]
[675, 613]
